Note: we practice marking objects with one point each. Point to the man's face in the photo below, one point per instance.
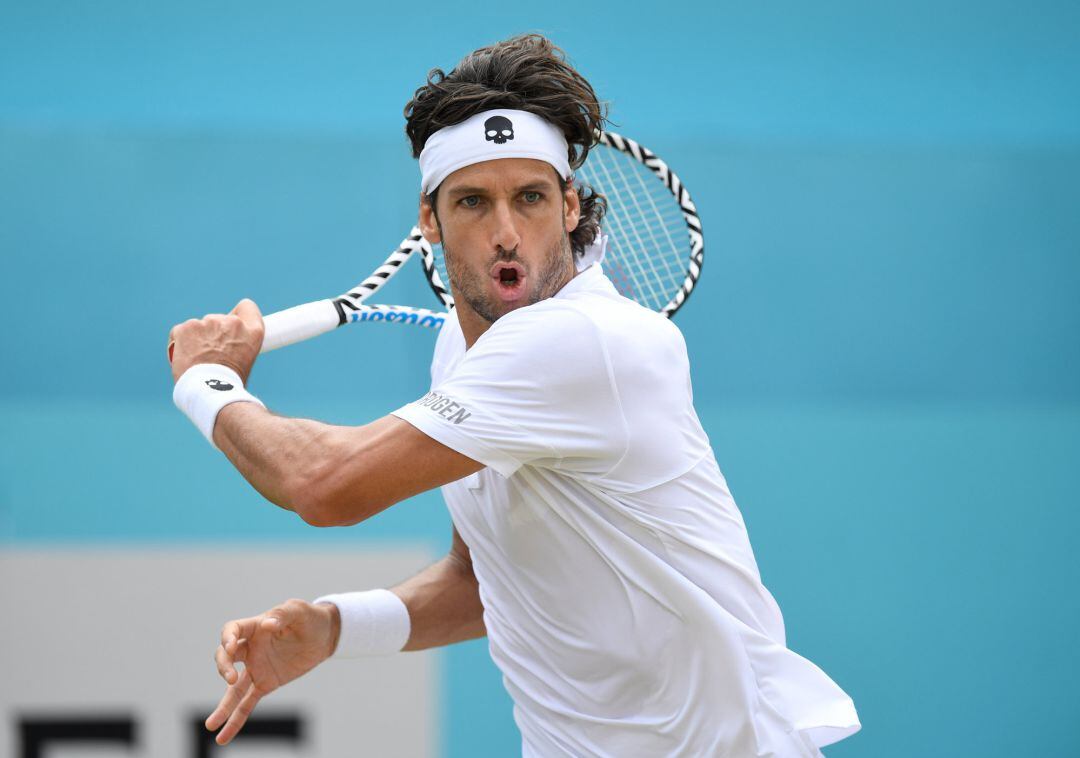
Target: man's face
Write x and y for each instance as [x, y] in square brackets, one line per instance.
[504, 226]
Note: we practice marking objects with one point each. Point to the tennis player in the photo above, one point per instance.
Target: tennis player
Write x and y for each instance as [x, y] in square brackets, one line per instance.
[595, 542]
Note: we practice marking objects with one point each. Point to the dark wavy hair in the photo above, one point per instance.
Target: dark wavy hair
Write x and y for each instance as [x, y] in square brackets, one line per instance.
[527, 73]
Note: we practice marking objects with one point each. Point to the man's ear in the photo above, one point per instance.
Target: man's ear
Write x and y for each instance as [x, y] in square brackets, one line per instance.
[429, 225]
[571, 207]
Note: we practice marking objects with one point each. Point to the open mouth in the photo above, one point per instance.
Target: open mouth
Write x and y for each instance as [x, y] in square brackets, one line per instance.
[509, 279]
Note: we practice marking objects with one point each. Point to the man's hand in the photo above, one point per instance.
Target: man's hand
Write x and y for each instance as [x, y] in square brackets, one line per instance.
[275, 647]
[232, 340]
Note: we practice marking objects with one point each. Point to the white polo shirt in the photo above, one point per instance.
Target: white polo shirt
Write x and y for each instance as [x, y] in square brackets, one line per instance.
[621, 597]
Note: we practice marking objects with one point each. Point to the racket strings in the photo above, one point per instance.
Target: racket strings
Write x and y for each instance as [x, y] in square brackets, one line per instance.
[641, 217]
[645, 259]
[622, 232]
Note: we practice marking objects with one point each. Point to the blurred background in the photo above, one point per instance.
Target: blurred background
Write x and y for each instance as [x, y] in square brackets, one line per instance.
[884, 346]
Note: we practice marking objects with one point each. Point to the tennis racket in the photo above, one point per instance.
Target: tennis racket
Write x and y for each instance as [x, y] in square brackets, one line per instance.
[654, 254]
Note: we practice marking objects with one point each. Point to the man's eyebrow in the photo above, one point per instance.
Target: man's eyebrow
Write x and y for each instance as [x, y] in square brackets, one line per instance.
[463, 191]
[536, 186]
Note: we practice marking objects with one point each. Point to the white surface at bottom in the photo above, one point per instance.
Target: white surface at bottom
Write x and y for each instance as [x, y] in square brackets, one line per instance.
[131, 633]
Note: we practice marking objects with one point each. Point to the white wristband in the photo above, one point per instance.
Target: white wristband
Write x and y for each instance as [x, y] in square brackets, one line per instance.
[204, 389]
[375, 622]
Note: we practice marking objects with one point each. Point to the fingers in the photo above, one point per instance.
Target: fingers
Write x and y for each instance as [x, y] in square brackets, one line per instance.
[249, 313]
[228, 703]
[230, 651]
[239, 715]
[171, 343]
[227, 656]
[235, 635]
[274, 625]
[239, 629]
[220, 336]
[234, 709]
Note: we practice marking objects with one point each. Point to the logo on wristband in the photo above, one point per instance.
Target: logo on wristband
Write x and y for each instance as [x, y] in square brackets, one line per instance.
[217, 384]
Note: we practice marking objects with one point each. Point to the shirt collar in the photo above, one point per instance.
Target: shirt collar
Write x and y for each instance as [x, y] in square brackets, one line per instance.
[591, 278]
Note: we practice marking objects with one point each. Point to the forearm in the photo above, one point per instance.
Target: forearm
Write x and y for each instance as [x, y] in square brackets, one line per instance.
[444, 604]
[283, 458]
[334, 475]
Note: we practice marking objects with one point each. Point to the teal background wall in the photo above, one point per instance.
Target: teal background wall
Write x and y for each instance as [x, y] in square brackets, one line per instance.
[884, 342]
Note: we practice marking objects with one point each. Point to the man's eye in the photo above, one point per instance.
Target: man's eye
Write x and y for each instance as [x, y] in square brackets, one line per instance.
[470, 201]
[532, 197]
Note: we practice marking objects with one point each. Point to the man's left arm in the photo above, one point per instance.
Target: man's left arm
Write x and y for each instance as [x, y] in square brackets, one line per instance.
[334, 475]
[329, 475]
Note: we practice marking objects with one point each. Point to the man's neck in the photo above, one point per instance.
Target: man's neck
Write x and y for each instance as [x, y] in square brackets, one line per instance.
[472, 325]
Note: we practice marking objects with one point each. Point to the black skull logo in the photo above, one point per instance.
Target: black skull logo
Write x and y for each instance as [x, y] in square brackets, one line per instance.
[498, 129]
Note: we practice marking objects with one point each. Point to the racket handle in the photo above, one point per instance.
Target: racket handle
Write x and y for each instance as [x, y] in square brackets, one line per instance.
[299, 323]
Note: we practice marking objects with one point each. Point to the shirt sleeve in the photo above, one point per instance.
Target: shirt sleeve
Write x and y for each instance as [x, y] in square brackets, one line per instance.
[536, 388]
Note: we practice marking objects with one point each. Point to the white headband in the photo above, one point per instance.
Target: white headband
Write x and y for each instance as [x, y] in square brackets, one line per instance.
[487, 136]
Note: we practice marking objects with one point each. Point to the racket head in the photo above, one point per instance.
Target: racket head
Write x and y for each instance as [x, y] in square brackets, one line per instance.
[655, 247]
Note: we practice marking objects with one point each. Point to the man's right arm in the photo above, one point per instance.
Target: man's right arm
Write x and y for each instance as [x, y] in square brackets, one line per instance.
[443, 603]
[439, 606]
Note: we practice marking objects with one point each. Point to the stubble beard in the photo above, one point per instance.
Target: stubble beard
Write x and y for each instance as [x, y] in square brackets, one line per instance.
[469, 285]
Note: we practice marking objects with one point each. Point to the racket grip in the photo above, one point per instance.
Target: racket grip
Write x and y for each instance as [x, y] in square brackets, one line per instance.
[299, 323]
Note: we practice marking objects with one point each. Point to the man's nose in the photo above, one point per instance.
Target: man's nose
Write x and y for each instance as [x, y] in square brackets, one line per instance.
[504, 234]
